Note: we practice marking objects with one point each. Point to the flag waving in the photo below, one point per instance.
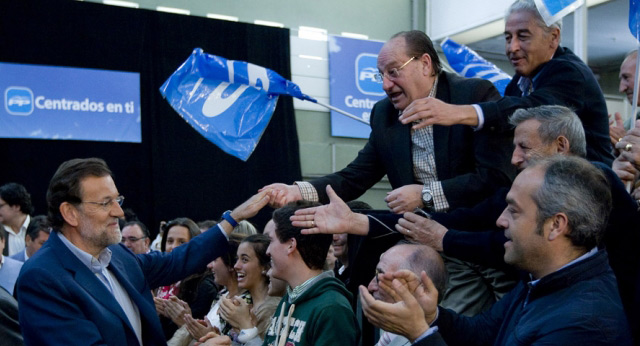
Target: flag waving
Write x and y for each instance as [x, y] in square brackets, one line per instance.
[471, 65]
[228, 102]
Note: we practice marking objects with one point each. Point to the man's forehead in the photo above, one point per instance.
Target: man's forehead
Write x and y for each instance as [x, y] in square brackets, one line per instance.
[525, 184]
[519, 21]
[527, 131]
[393, 51]
[628, 65]
[98, 185]
[133, 229]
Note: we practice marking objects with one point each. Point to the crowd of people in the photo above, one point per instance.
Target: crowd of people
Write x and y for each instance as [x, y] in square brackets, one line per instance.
[512, 221]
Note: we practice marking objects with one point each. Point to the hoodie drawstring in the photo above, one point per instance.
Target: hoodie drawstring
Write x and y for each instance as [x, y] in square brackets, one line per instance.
[282, 341]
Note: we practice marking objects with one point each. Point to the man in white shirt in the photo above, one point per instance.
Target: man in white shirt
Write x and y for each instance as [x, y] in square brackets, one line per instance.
[15, 208]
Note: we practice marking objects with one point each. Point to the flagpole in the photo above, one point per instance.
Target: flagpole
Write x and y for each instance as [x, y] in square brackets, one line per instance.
[342, 112]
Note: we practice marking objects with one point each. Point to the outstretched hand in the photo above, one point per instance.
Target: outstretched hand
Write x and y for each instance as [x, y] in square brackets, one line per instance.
[281, 194]
[333, 218]
[252, 206]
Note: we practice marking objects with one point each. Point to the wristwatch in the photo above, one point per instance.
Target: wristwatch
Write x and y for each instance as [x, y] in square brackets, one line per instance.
[427, 197]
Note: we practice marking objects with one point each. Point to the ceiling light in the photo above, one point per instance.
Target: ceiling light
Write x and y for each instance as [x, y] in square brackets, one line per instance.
[311, 33]
[121, 3]
[222, 17]
[173, 10]
[354, 35]
[268, 23]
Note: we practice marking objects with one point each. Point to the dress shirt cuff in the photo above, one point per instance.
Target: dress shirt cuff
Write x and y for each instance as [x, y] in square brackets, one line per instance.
[440, 203]
[307, 191]
[223, 232]
[425, 334]
[480, 115]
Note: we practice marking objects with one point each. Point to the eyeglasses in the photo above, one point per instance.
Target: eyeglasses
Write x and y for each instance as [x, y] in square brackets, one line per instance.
[393, 73]
[132, 239]
[378, 272]
[106, 205]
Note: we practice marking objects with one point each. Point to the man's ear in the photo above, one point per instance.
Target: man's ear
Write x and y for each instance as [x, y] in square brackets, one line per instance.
[559, 226]
[293, 244]
[427, 67]
[69, 213]
[555, 38]
[563, 145]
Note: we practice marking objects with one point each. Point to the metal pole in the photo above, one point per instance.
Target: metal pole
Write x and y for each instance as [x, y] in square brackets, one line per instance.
[580, 32]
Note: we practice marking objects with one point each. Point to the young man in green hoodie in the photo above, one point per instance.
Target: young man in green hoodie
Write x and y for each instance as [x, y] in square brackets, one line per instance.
[316, 308]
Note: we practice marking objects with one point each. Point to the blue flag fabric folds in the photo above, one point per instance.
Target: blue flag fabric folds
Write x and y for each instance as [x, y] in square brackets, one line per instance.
[469, 64]
[634, 18]
[553, 10]
[228, 102]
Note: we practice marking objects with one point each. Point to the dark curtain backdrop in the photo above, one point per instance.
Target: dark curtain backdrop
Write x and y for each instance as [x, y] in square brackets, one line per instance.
[174, 171]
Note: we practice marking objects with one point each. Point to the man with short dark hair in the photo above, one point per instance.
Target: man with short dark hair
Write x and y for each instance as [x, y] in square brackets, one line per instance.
[9, 268]
[135, 236]
[37, 234]
[15, 208]
[84, 287]
[316, 308]
[546, 74]
[554, 222]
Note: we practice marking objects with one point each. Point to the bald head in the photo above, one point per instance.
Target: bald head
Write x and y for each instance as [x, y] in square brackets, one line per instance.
[415, 258]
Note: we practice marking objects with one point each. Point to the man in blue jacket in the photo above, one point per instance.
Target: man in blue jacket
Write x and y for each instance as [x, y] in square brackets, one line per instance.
[554, 220]
[86, 288]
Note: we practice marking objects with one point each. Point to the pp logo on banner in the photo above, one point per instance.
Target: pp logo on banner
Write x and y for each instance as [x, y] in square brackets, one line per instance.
[18, 100]
[366, 69]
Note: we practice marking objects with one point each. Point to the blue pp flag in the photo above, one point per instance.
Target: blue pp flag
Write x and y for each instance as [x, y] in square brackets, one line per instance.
[634, 18]
[228, 102]
[469, 64]
[553, 10]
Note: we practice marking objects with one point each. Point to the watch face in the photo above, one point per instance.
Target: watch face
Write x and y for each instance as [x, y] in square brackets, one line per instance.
[427, 198]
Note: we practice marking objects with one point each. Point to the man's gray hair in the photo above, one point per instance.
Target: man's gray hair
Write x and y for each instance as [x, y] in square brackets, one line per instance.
[578, 189]
[530, 6]
[555, 121]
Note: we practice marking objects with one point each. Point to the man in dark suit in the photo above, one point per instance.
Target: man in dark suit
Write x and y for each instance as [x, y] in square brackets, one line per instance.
[86, 288]
[546, 74]
[438, 167]
[553, 223]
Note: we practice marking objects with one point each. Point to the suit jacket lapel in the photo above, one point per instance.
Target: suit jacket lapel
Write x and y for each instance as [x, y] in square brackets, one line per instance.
[87, 279]
[151, 328]
[398, 142]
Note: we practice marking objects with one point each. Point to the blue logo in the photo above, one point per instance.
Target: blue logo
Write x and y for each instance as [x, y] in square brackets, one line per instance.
[18, 100]
[366, 69]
